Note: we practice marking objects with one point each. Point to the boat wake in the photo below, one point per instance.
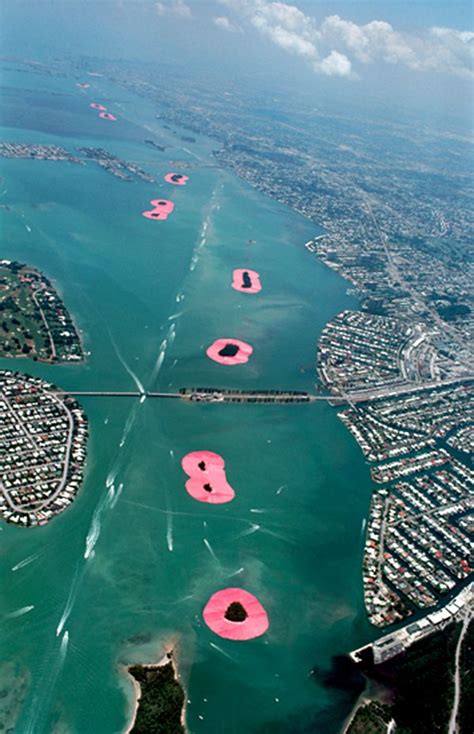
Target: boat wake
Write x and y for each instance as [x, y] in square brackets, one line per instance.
[69, 603]
[222, 652]
[108, 502]
[277, 535]
[126, 430]
[64, 645]
[190, 152]
[115, 494]
[169, 531]
[19, 612]
[41, 698]
[25, 562]
[167, 342]
[202, 238]
[252, 529]
[210, 549]
[236, 573]
[95, 528]
[132, 374]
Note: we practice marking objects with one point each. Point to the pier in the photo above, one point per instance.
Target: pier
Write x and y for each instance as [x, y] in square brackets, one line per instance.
[393, 644]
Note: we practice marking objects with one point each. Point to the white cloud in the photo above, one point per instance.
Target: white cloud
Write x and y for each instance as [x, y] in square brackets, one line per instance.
[335, 64]
[177, 8]
[370, 42]
[455, 51]
[286, 16]
[286, 39]
[336, 44]
[285, 25]
[224, 23]
[465, 37]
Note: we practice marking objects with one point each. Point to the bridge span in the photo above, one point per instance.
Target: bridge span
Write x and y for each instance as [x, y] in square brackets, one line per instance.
[213, 395]
[234, 395]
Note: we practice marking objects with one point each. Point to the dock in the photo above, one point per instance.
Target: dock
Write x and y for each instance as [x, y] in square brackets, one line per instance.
[393, 644]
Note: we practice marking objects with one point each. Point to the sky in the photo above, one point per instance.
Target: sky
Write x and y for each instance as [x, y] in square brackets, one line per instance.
[415, 53]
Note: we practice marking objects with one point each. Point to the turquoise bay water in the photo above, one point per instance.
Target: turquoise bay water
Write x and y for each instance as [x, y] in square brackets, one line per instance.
[131, 284]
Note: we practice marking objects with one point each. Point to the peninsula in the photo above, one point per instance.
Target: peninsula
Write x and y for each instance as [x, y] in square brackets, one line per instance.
[43, 438]
[34, 321]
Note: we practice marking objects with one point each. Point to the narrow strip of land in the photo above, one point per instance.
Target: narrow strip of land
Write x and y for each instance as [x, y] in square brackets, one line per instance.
[204, 394]
[453, 726]
[225, 396]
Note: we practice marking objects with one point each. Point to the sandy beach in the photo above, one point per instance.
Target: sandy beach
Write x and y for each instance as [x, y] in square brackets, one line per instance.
[168, 657]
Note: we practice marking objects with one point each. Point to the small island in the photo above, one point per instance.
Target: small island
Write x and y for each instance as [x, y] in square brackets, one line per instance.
[34, 321]
[160, 704]
[124, 170]
[119, 168]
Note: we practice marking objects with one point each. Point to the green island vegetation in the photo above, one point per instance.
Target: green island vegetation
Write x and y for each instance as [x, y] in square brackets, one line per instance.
[422, 685]
[33, 319]
[371, 718]
[466, 664]
[161, 702]
[235, 612]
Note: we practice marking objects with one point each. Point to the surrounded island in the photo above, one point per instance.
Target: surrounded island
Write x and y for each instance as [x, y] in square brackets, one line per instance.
[34, 321]
[160, 704]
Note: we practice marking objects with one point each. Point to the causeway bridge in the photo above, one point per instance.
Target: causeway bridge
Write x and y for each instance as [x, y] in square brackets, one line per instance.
[233, 395]
[212, 395]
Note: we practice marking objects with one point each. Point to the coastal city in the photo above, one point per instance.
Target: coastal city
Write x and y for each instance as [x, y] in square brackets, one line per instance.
[42, 449]
[396, 366]
[385, 227]
[410, 411]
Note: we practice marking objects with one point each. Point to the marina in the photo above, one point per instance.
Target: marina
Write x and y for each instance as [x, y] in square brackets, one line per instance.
[395, 643]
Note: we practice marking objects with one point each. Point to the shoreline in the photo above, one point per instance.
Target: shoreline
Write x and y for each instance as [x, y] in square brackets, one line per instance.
[371, 694]
[169, 657]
